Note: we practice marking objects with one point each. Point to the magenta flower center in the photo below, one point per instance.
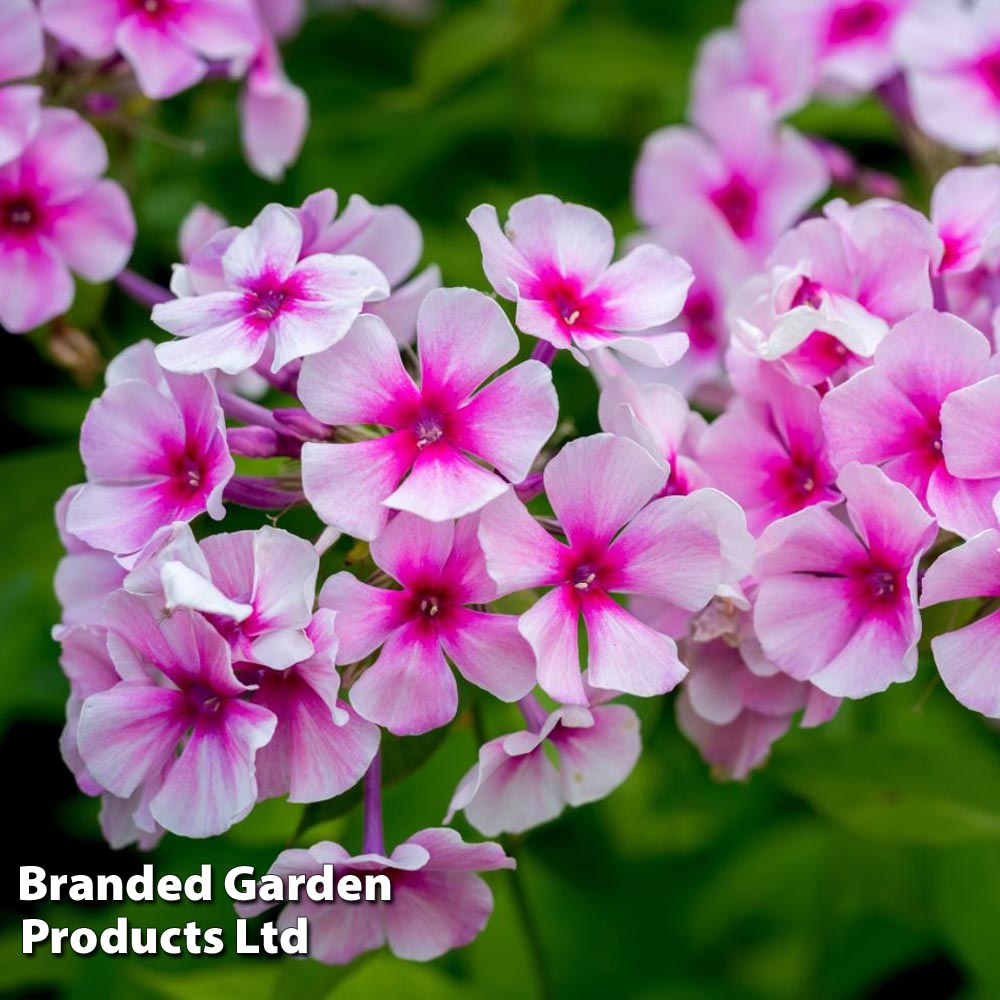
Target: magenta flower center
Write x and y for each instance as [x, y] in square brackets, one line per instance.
[187, 472]
[567, 300]
[882, 585]
[584, 576]
[153, 10]
[269, 303]
[737, 201]
[203, 699]
[988, 69]
[809, 293]
[19, 214]
[699, 311]
[799, 479]
[428, 429]
[857, 20]
[430, 605]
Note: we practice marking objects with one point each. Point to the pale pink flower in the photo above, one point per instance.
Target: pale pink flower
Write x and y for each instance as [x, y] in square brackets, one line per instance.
[837, 602]
[320, 747]
[410, 687]
[756, 177]
[439, 902]
[57, 215]
[892, 414]
[257, 588]
[676, 548]
[515, 786]
[833, 288]
[425, 464]
[271, 298]
[177, 692]
[769, 452]
[965, 211]
[168, 43]
[950, 52]
[21, 55]
[154, 448]
[554, 260]
[967, 657]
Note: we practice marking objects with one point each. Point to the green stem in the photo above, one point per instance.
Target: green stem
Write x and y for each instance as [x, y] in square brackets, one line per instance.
[529, 926]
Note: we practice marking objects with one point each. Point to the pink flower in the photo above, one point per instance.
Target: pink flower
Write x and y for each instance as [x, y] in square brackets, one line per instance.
[168, 43]
[177, 690]
[271, 298]
[320, 748]
[658, 418]
[891, 415]
[21, 54]
[423, 465]
[282, 17]
[835, 286]
[837, 604]
[676, 548]
[257, 588]
[757, 178]
[760, 54]
[56, 214]
[951, 55]
[274, 115]
[965, 211]
[515, 786]
[154, 448]
[967, 657]
[410, 688]
[388, 236]
[735, 704]
[438, 901]
[554, 261]
[769, 452]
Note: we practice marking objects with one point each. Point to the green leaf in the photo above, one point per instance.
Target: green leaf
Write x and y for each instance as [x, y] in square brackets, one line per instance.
[233, 982]
[309, 980]
[919, 794]
[401, 756]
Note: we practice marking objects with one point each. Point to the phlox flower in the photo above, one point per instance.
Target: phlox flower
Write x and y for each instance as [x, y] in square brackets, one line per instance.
[410, 688]
[154, 449]
[168, 43]
[659, 418]
[58, 215]
[257, 588]
[388, 236]
[768, 452]
[21, 54]
[270, 298]
[735, 704]
[892, 415]
[758, 178]
[320, 747]
[965, 212]
[177, 692]
[676, 548]
[439, 902]
[950, 52]
[967, 657]
[833, 288]
[554, 260]
[425, 464]
[836, 603]
[515, 786]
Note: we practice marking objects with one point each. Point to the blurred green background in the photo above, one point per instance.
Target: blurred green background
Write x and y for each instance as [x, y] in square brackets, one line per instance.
[864, 862]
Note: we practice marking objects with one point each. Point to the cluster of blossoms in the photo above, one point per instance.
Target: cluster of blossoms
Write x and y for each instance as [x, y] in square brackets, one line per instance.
[766, 564]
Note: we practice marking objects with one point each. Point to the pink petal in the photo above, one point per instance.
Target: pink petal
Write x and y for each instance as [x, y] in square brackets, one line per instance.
[969, 417]
[625, 655]
[444, 484]
[163, 64]
[964, 506]
[811, 541]
[399, 311]
[505, 266]
[373, 612]
[347, 484]
[212, 784]
[509, 420]
[35, 286]
[669, 550]
[66, 155]
[95, 232]
[489, 652]
[969, 570]
[595, 760]
[89, 28]
[413, 551]
[519, 552]
[20, 116]
[219, 29]
[463, 336]
[592, 508]
[646, 288]
[550, 626]
[270, 247]
[360, 380]
[409, 689]
[967, 662]
[95, 514]
[21, 44]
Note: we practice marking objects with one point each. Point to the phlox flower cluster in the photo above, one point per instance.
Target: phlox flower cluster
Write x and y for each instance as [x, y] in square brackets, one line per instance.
[798, 403]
